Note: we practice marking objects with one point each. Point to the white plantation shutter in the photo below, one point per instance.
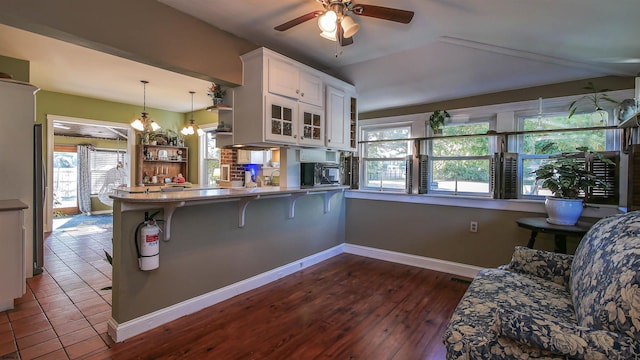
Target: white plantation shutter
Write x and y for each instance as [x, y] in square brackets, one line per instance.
[101, 161]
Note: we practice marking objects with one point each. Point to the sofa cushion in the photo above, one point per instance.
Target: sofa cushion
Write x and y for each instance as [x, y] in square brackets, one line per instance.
[470, 332]
[605, 276]
[568, 339]
[546, 265]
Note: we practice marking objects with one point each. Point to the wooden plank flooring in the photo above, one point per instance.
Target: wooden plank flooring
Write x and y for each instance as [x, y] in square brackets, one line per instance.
[348, 307]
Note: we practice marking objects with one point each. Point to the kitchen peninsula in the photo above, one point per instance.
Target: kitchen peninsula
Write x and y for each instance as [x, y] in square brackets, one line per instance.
[218, 243]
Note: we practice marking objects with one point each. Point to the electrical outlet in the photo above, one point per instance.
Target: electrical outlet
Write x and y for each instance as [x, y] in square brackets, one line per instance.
[473, 226]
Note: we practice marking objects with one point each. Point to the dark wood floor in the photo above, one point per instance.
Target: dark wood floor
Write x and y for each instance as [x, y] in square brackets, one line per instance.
[348, 307]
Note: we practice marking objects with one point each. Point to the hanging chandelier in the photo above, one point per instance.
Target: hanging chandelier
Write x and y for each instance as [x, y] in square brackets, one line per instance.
[144, 123]
[192, 128]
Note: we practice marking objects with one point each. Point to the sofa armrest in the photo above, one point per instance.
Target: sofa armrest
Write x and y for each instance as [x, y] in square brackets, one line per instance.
[547, 265]
[563, 338]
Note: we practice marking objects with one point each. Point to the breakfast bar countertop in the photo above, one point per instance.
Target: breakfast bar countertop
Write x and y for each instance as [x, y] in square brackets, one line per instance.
[171, 198]
[156, 194]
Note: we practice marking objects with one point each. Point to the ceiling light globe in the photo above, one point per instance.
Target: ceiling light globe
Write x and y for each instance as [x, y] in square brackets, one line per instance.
[200, 132]
[349, 26]
[138, 125]
[327, 21]
[184, 131]
[154, 126]
[329, 35]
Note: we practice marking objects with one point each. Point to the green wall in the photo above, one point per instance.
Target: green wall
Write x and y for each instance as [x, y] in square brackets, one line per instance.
[48, 102]
[441, 232]
[18, 69]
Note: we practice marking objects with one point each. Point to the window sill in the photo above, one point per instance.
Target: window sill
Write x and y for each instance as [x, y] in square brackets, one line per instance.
[532, 206]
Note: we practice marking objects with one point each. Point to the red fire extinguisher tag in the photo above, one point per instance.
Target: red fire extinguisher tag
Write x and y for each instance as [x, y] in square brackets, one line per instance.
[151, 238]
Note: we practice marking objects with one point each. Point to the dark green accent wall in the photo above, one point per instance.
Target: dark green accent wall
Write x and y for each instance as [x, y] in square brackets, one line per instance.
[18, 69]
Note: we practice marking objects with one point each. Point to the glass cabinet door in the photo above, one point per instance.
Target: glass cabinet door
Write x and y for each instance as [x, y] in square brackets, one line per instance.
[312, 125]
[280, 119]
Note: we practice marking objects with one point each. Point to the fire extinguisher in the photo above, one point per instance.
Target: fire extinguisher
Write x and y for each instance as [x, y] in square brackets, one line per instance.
[148, 245]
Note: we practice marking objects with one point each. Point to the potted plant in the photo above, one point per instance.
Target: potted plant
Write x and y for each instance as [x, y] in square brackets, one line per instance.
[216, 93]
[593, 99]
[437, 119]
[566, 176]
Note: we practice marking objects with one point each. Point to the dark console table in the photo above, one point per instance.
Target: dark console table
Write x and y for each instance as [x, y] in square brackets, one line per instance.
[560, 232]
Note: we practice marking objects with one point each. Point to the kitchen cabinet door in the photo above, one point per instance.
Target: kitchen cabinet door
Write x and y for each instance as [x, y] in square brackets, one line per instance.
[310, 89]
[281, 119]
[338, 106]
[283, 78]
[311, 125]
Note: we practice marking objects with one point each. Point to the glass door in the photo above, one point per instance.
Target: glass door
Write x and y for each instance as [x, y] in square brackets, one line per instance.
[65, 179]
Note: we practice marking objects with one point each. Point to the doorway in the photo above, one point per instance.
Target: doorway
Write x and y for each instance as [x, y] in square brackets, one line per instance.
[65, 180]
[62, 160]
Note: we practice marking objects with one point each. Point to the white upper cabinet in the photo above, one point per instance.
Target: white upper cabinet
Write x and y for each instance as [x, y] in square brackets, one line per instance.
[287, 79]
[341, 119]
[283, 102]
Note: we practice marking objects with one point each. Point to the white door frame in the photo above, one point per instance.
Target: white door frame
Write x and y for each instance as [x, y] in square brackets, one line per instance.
[48, 218]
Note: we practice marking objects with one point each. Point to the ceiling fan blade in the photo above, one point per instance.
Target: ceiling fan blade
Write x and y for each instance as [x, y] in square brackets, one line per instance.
[385, 13]
[299, 20]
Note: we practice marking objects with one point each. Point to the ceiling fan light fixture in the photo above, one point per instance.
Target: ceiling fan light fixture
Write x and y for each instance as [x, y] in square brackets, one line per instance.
[327, 21]
[349, 26]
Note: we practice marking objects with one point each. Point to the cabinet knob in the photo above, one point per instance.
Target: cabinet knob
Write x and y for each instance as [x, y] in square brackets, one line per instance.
[328, 140]
[297, 91]
[301, 94]
[295, 136]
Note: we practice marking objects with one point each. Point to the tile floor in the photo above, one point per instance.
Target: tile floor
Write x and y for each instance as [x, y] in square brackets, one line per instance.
[64, 313]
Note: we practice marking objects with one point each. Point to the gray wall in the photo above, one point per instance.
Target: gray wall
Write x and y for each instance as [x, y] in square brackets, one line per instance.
[441, 232]
[208, 251]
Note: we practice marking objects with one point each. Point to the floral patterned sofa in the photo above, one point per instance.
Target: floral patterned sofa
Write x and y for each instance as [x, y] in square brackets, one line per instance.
[544, 305]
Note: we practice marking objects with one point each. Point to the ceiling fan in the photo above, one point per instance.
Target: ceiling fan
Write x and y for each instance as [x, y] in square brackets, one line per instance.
[337, 25]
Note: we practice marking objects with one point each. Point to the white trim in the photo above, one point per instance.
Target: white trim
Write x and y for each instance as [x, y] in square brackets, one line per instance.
[468, 271]
[476, 202]
[128, 329]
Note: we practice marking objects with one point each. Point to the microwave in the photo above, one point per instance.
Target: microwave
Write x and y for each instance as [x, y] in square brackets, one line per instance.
[319, 174]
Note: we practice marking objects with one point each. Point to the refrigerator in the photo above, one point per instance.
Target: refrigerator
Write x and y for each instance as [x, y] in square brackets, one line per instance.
[39, 186]
[17, 101]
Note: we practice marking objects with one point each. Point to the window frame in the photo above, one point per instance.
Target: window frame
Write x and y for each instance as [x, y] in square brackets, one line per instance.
[365, 160]
[611, 137]
[492, 145]
[202, 151]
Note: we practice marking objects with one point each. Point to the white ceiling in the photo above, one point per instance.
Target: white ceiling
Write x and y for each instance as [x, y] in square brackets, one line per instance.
[451, 49]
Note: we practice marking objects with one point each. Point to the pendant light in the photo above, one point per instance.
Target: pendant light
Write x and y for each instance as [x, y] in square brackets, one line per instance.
[144, 123]
[192, 128]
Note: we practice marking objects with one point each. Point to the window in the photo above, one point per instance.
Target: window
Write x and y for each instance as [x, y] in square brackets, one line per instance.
[535, 148]
[101, 162]
[463, 164]
[211, 159]
[384, 163]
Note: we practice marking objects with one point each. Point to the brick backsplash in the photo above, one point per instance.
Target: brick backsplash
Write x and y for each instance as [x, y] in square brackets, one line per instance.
[230, 157]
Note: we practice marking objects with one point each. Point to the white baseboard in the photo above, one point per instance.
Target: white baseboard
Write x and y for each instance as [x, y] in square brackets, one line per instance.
[128, 329]
[468, 271]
